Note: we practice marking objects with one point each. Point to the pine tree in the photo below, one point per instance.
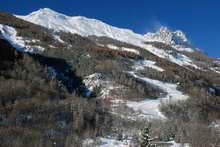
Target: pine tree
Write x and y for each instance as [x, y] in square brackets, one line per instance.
[146, 139]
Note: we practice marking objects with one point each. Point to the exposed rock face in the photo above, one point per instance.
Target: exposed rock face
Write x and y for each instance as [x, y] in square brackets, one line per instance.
[169, 37]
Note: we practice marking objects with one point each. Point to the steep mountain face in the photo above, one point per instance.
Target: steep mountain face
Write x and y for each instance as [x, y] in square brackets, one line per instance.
[91, 27]
[88, 27]
[89, 79]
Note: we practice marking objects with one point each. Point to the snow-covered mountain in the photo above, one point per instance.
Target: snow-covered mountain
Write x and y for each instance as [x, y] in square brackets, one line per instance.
[125, 78]
[173, 46]
[92, 27]
[79, 25]
[87, 27]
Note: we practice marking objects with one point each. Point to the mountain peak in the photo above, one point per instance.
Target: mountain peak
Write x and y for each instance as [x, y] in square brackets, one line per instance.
[44, 10]
[166, 35]
[45, 13]
[164, 29]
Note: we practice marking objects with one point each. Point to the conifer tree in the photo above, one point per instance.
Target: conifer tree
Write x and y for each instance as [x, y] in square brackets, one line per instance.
[146, 139]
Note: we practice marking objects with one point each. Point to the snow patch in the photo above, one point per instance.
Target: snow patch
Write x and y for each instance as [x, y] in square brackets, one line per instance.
[35, 48]
[212, 90]
[174, 144]
[217, 69]
[97, 80]
[182, 48]
[141, 64]
[51, 46]
[57, 37]
[10, 34]
[32, 41]
[111, 142]
[107, 142]
[123, 49]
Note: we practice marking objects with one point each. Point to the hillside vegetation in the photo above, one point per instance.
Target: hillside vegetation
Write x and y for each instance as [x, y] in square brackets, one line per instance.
[44, 99]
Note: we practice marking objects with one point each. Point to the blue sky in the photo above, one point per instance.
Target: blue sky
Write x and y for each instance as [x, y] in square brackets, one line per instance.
[199, 19]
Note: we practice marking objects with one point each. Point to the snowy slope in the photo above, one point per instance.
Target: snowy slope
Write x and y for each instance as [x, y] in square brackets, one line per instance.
[80, 25]
[150, 107]
[87, 27]
[10, 34]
